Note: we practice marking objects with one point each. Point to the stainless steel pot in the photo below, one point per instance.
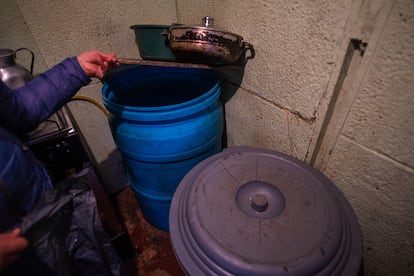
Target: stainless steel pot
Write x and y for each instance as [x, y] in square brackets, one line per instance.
[204, 44]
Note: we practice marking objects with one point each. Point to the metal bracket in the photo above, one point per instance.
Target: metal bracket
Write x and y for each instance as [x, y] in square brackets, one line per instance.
[359, 45]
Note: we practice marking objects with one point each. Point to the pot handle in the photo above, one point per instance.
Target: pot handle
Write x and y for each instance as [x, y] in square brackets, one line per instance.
[32, 62]
[166, 34]
[246, 46]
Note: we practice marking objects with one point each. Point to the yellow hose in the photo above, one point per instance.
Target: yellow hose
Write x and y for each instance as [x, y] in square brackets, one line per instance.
[90, 100]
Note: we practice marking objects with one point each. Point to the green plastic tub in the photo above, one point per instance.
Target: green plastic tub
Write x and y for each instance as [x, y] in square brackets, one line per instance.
[151, 42]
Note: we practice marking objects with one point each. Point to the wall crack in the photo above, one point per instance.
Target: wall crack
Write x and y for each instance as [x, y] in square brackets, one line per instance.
[307, 120]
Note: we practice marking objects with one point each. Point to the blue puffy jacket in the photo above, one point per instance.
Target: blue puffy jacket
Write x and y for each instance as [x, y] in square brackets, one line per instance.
[22, 178]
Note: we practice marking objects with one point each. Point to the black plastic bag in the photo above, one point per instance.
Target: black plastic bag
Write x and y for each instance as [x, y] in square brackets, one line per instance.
[66, 235]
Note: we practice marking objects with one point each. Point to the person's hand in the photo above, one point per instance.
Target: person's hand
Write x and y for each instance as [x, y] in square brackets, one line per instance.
[12, 246]
[96, 64]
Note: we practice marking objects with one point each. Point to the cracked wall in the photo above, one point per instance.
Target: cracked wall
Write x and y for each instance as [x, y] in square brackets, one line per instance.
[279, 101]
[296, 45]
[286, 90]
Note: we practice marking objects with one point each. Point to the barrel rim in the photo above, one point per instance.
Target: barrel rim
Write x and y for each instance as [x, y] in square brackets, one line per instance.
[164, 112]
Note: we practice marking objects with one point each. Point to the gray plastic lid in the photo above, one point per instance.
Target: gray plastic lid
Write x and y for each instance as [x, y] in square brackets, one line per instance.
[256, 212]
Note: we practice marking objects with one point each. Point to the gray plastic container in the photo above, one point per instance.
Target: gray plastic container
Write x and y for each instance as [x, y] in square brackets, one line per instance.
[249, 211]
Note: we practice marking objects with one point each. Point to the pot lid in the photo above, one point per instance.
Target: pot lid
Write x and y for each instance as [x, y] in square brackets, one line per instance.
[257, 212]
[207, 26]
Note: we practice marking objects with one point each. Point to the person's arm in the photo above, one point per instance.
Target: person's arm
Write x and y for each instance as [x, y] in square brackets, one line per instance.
[24, 108]
[12, 246]
[21, 110]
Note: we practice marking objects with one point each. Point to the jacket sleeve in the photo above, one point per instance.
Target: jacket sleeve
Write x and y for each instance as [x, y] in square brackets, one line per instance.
[22, 109]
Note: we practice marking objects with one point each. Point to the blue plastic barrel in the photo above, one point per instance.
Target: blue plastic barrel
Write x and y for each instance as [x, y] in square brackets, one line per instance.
[164, 121]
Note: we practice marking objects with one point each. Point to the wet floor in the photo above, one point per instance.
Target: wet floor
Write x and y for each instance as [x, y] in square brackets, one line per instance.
[153, 254]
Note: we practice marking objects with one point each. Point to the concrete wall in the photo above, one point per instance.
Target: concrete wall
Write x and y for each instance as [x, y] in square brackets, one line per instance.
[282, 98]
[54, 30]
[372, 161]
[288, 89]
[296, 46]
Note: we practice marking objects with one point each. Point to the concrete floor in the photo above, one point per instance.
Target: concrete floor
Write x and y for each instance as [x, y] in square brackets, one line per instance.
[152, 247]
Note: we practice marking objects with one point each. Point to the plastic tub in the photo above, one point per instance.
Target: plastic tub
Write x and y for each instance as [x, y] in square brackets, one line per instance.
[152, 45]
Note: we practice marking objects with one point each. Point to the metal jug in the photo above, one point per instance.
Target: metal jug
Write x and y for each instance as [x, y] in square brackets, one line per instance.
[12, 73]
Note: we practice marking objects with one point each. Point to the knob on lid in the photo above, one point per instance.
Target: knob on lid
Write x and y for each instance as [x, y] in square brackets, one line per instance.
[208, 21]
